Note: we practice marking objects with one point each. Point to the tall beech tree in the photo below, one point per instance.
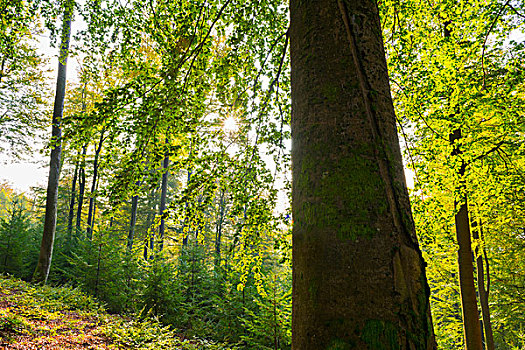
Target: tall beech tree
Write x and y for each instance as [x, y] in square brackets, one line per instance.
[48, 237]
[469, 304]
[359, 276]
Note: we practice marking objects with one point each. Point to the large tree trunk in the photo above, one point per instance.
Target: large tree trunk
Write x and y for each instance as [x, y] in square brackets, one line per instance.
[91, 210]
[81, 188]
[48, 237]
[358, 273]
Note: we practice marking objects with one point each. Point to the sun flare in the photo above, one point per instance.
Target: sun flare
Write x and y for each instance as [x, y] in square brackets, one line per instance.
[230, 125]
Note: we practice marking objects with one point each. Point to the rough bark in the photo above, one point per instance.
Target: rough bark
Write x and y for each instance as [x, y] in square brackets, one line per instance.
[91, 210]
[48, 236]
[358, 274]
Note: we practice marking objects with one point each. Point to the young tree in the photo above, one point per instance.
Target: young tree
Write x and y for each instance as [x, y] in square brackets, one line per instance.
[359, 277]
[48, 237]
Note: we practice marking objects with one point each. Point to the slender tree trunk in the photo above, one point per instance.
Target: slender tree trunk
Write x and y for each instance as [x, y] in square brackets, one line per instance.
[48, 236]
[79, 164]
[358, 273]
[185, 236]
[163, 195]
[469, 304]
[484, 301]
[2, 69]
[71, 212]
[483, 291]
[150, 239]
[218, 230]
[91, 209]
[81, 188]
[133, 221]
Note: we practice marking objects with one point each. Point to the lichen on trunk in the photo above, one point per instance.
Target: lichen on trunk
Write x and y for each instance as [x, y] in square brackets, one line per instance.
[359, 278]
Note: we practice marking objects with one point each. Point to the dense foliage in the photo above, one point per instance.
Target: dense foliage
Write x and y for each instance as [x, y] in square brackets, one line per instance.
[174, 191]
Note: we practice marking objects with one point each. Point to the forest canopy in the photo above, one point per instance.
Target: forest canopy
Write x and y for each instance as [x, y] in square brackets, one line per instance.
[170, 128]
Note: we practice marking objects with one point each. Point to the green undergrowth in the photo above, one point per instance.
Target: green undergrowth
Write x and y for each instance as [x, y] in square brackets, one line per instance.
[64, 315]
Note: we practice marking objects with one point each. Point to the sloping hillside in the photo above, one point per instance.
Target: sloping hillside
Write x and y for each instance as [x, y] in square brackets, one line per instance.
[65, 318]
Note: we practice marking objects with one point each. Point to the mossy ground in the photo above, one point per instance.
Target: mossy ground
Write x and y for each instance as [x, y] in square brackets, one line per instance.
[33, 317]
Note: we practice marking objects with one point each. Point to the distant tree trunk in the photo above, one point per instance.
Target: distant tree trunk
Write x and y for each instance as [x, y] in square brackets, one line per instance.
[71, 212]
[185, 236]
[483, 291]
[48, 236]
[150, 238]
[163, 195]
[469, 304]
[218, 230]
[133, 221]
[2, 68]
[81, 188]
[358, 273]
[76, 175]
[91, 209]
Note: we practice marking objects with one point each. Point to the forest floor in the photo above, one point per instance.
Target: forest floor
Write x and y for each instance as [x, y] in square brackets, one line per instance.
[46, 318]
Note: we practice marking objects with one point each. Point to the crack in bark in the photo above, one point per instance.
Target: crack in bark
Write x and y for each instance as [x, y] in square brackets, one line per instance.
[374, 125]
